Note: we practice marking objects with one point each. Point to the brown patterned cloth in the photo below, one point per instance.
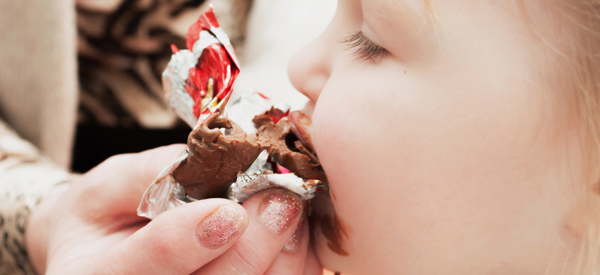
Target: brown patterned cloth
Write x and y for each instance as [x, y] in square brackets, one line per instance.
[125, 45]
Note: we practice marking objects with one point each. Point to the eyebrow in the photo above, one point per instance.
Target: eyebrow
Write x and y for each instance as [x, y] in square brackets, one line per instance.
[403, 13]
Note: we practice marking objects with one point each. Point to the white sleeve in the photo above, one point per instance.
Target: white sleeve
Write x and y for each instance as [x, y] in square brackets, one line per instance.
[25, 177]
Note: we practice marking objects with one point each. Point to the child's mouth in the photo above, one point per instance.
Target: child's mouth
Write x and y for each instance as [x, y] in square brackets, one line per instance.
[323, 216]
[301, 124]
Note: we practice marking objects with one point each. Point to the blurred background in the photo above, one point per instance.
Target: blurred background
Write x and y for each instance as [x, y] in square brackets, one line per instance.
[123, 47]
[119, 50]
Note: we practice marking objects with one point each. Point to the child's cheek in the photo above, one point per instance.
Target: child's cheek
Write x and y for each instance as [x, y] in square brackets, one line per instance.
[346, 139]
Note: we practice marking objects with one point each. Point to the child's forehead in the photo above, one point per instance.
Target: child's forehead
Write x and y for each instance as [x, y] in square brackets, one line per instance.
[405, 14]
[424, 8]
[415, 13]
[410, 9]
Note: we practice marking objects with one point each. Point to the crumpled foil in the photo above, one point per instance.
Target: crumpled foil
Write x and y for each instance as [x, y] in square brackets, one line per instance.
[198, 83]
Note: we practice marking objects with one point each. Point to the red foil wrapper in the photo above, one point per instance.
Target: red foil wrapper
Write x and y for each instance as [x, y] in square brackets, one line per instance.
[217, 64]
[207, 84]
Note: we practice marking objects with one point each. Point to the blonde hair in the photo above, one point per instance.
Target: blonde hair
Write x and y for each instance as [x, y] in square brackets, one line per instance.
[572, 37]
[580, 58]
[574, 45]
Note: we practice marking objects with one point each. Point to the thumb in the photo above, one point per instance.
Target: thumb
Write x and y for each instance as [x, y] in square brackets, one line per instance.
[178, 241]
[116, 185]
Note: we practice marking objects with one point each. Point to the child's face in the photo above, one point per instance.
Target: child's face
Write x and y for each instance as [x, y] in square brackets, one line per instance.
[440, 156]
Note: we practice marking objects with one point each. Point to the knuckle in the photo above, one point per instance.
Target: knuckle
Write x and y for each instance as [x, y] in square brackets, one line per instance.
[115, 160]
[162, 243]
[112, 163]
[247, 260]
[162, 247]
[152, 162]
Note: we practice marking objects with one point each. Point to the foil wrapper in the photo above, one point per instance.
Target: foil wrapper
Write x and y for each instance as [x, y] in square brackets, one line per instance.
[260, 177]
[197, 83]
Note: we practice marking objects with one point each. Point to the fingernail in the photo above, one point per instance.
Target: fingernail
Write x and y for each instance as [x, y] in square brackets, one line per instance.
[221, 226]
[295, 240]
[279, 210]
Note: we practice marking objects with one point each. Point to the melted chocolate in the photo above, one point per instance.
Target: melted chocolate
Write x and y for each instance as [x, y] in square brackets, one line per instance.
[301, 125]
[287, 150]
[334, 230]
[215, 159]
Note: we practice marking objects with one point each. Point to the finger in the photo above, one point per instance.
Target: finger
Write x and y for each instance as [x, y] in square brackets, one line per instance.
[293, 255]
[178, 241]
[312, 265]
[152, 162]
[116, 186]
[273, 217]
[143, 167]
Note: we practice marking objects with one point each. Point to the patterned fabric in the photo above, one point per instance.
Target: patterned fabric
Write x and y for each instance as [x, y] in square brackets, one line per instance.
[125, 46]
[21, 166]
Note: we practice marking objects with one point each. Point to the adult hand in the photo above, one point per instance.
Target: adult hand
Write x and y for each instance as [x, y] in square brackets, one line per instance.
[92, 228]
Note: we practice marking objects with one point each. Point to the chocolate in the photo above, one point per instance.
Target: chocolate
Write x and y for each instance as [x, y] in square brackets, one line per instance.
[334, 231]
[216, 159]
[301, 124]
[286, 148]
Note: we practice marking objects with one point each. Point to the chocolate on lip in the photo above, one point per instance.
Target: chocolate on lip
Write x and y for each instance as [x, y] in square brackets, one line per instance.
[301, 125]
[287, 149]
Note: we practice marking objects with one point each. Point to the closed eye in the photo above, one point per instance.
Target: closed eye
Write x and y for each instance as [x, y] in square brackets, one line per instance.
[364, 49]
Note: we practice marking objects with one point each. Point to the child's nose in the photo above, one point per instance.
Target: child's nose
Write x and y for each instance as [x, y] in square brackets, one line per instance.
[310, 68]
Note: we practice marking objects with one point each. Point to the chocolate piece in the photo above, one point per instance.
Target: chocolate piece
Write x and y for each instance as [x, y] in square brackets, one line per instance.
[215, 159]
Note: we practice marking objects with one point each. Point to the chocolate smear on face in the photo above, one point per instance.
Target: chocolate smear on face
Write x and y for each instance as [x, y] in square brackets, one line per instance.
[331, 194]
[334, 230]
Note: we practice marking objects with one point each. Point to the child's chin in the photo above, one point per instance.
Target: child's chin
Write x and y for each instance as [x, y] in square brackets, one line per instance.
[330, 236]
[330, 260]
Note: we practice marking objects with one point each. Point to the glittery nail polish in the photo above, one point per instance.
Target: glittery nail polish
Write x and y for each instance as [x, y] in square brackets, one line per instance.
[295, 240]
[220, 227]
[279, 210]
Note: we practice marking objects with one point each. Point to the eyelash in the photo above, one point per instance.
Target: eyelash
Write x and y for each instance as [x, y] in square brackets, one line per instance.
[364, 49]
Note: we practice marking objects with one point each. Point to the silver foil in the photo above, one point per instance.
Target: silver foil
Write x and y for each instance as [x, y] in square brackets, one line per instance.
[174, 77]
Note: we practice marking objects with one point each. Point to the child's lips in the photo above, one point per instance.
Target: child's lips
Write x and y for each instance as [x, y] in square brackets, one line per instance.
[301, 125]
